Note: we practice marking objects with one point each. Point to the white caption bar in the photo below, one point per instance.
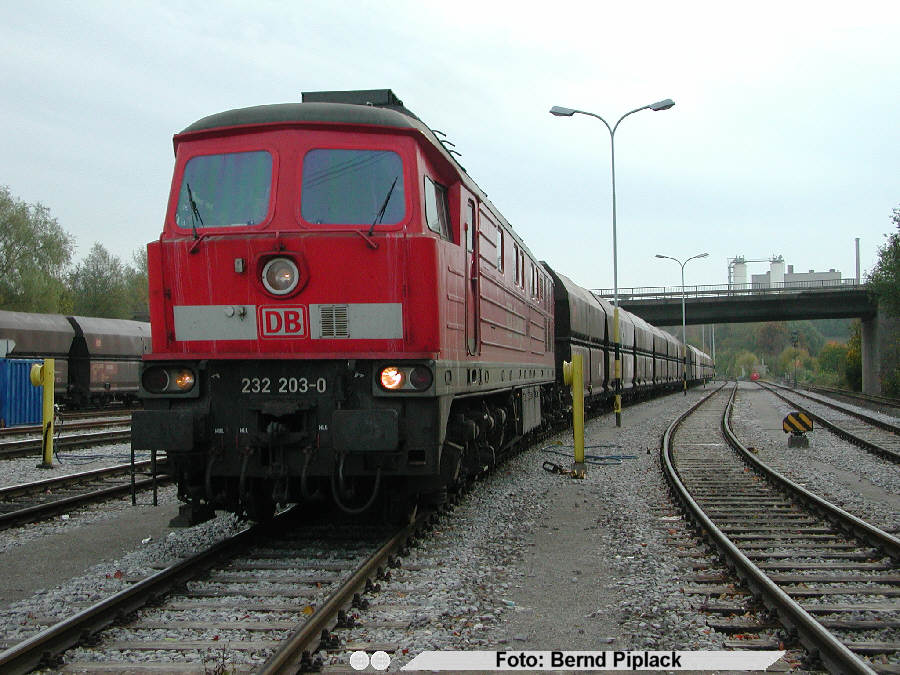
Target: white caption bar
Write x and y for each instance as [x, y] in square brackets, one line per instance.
[606, 660]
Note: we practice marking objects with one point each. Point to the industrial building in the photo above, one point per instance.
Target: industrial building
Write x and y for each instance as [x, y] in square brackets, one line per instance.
[778, 276]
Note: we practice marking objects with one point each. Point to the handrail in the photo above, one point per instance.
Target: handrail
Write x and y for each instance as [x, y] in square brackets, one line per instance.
[726, 290]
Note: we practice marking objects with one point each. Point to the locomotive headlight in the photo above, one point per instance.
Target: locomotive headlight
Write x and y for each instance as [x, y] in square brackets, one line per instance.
[155, 380]
[407, 378]
[184, 380]
[391, 377]
[420, 378]
[280, 276]
[165, 380]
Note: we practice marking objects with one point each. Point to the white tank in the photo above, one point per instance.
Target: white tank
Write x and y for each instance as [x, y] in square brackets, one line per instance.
[776, 271]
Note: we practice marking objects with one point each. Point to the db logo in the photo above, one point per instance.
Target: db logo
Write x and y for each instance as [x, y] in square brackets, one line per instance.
[282, 322]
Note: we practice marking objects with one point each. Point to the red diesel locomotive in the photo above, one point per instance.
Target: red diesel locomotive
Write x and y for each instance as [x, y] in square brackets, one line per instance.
[336, 308]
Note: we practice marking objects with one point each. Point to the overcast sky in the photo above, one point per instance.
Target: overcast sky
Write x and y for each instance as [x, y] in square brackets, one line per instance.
[785, 136]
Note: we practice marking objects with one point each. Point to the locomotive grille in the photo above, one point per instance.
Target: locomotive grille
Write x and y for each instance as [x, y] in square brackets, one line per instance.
[334, 321]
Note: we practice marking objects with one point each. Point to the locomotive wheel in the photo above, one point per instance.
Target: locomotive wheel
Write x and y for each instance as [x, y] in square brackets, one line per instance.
[400, 509]
[259, 504]
[497, 434]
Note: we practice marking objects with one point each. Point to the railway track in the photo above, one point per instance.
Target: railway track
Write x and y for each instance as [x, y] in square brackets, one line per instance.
[74, 424]
[828, 578]
[870, 433]
[21, 447]
[262, 599]
[883, 404]
[265, 594]
[39, 500]
[66, 414]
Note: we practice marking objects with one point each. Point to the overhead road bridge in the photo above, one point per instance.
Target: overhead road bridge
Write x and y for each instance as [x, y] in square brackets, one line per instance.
[743, 303]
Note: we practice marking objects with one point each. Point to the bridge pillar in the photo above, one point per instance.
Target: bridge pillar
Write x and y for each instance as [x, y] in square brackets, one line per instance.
[880, 353]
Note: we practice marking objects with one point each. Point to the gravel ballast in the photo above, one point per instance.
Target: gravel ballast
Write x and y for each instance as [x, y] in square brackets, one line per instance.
[26, 470]
[529, 560]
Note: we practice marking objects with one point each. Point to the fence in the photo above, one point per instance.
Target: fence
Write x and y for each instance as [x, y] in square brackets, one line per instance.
[728, 290]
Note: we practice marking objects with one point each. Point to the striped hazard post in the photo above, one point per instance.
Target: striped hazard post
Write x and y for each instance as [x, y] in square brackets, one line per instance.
[797, 424]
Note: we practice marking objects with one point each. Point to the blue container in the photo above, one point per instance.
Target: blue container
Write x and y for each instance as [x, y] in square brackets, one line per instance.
[20, 401]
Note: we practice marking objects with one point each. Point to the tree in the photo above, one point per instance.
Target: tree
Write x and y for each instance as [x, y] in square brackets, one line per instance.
[745, 362]
[792, 361]
[771, 338]
[884, 280]
[854, 357]
[35, 253]
[833, 358]
[99, 286]
[137, 287]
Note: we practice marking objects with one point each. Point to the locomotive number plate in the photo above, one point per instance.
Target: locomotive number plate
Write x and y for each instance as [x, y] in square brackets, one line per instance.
[283, 385]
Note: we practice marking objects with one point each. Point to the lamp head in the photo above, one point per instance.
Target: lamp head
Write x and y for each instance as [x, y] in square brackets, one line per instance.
[559, 111]
[703, 255]
[661, 256]
[665, 104]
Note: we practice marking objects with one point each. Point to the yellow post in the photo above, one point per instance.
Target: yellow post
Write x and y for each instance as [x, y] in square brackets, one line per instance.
[43, 376]
[573, 375]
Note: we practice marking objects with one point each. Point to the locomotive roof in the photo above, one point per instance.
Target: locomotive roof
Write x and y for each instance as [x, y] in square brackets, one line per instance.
[341, 113]
[374, 107]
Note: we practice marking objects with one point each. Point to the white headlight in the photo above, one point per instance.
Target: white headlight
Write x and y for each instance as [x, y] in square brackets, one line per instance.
[280, 276]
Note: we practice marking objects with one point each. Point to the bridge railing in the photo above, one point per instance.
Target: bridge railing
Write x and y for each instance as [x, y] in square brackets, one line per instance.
[727, 290]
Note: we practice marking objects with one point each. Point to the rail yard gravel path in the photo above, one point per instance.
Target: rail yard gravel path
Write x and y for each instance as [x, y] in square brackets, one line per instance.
[528, 559]
[598, 568]
[857, 481]
[25, 470]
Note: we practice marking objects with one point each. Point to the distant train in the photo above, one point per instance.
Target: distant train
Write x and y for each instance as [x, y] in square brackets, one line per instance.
[97, 360]
[338, 310]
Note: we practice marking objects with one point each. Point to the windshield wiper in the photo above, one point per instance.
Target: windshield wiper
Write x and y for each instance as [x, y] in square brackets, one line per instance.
[195, 212]
[380, 214]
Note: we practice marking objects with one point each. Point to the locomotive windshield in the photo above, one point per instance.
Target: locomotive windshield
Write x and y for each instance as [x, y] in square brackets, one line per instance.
[352, 187]
[228, 190]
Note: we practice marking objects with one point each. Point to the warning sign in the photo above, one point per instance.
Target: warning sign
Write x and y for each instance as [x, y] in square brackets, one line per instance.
[797, 423]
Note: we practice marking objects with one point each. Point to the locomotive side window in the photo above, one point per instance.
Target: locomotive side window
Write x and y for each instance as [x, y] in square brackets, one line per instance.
[500, 249]
[227, 190]
[470, 228]
[352, 187]
[518, 265]
[437, 215]
[520, 260]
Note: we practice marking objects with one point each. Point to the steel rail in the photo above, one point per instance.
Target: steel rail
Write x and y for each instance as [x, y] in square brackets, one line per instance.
[874, 448]
[296, 651]
[300, 645]
[56, 639]
[855, 395]
[836, 656]
[75, 413]
[26, 446]
[46, 510]
[868, 419]
[12, 491]
[67, 426]
[51, 508]
[847, 522]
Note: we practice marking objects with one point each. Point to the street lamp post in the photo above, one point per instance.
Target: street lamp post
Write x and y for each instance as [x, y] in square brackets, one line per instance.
[683, 322]
[560, 111]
